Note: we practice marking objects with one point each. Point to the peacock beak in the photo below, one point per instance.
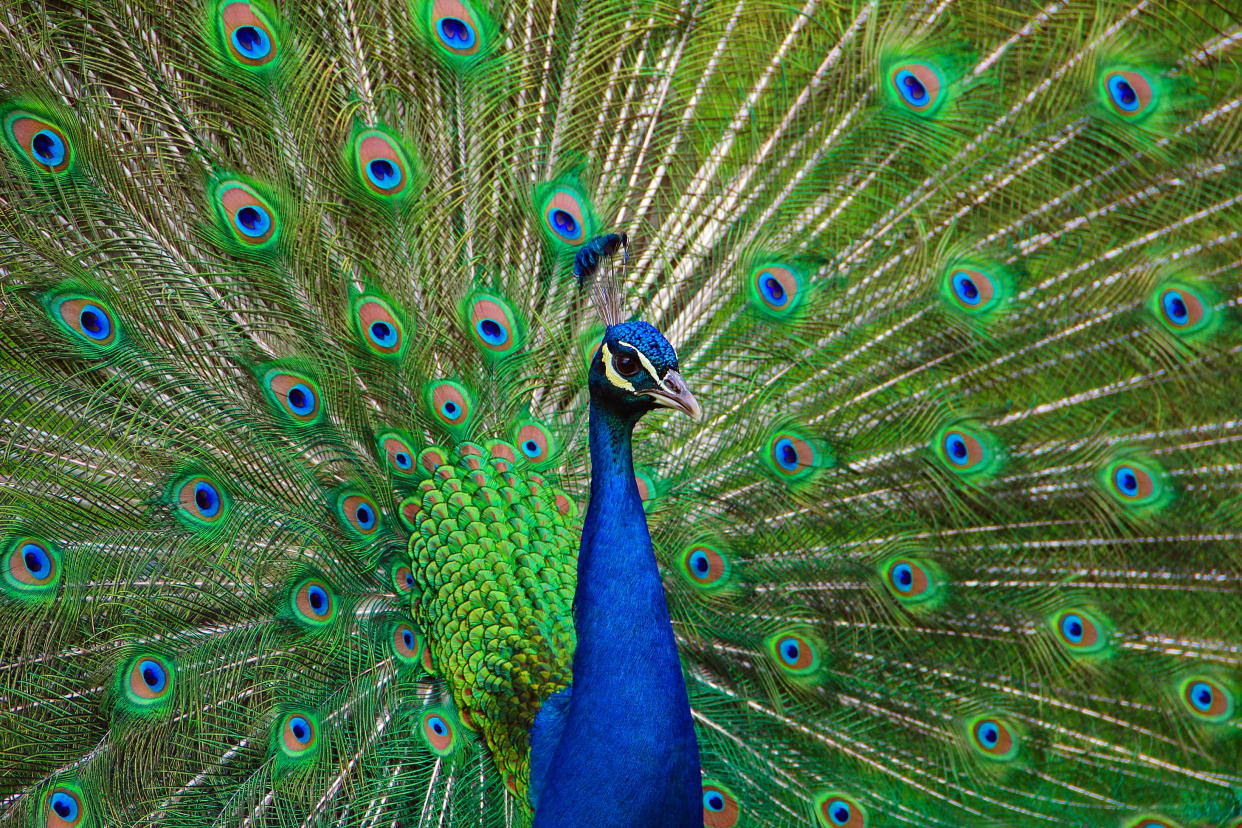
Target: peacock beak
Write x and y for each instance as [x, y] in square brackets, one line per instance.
[674, 393]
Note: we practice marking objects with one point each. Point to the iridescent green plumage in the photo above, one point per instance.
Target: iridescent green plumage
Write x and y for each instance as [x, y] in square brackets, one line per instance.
[292, 402]
[495, 547]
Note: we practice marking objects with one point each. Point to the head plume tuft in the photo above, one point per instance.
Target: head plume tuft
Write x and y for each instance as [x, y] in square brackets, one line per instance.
[594, 267]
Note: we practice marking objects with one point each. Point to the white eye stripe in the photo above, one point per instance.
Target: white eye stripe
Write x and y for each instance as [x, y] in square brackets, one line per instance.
[610, 372]
[650, 369]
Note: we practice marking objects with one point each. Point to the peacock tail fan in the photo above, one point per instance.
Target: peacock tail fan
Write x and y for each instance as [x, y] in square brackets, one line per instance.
[293, 401]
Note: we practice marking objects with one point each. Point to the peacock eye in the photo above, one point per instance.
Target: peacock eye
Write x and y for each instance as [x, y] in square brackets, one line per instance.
[626, 364]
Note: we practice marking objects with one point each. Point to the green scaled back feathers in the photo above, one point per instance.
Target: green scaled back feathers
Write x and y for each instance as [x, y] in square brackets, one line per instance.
[292, 403]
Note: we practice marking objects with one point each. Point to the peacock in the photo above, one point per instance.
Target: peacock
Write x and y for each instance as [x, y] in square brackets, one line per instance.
[651, 413]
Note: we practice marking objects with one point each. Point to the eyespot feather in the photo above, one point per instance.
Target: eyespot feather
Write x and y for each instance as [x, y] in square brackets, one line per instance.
[776, 289]
[247, 36]
[297, 735]
[967, 451]
[975, 289]
[146, 682]
[439, 729]
[382, 164]
[199, 501]
[89, 320]
[460, 32]
[1128, 93]
[407, 644]
[1207, 699]
[993, 738]
[720, 806]
[450, 404]
[792, 457]
[398, 452]
[836, 809]
[1185, 309]
[1151, 821]
[247, 216]
[358, 514]
[1081, 632]
[493, 325]
[795, 653]
[64, 807]
[705, 567]
[534, 442]
[378, 326]
[39, 142]
[916, 87]
[31, 569]
[1136, 483]
[313, 603]
[293, 395]
[565, 214]
[913, 582]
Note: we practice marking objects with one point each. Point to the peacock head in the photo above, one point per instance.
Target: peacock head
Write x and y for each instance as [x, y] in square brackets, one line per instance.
[635, 371]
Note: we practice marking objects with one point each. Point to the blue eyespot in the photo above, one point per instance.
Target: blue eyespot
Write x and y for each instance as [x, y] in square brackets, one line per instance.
[38, 562]
[383, 334]
[252, 42]
[491, 332]
[698, 562]
[357, 513]
[1201, 695]
[207, 499]
[252, 221]
[956, 450]
[564, 223]
[530, 448]
[48, 148]
[409, 579]
[317, 597]
[1126, 480]
[314, 604]
[838, 811]
[1072, 628]
[1175, 307]
[1208, 700]
[786, 455]
[1123, 94]
[449, 402]
[965, 289]
[437, 725]
[790, 650]
[383, 173]
[911, 88]
[713, 801]
[794, 654]
[407, 636]
[1136, 483]
[773, 291]
[153, 675]
[456, 33]
[903, 577]
[301, 399]
[403, 460]
[65, 806]
[301, 729]
[989, 734]
[95, 323]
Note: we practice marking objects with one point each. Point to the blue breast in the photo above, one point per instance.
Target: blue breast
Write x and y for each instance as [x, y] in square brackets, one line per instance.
[619, 750]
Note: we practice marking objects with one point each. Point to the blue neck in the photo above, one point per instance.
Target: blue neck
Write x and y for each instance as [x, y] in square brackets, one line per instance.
[627, 755]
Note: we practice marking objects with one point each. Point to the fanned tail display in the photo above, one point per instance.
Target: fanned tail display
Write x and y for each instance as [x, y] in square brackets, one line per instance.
[296, 353]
